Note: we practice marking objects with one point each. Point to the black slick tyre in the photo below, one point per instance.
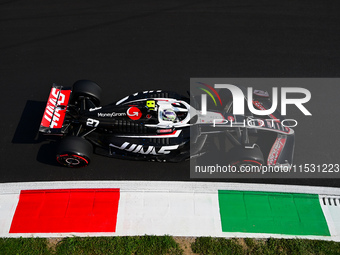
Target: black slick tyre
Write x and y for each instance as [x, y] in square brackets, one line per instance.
[74, 152]
[87, 89]
[240, 156]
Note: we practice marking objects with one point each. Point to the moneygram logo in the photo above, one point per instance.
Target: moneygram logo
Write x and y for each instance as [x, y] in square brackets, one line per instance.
[134, 113]
[111, 114]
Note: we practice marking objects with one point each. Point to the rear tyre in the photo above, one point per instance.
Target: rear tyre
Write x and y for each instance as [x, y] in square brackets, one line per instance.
[74, 152]
[240, 156]
[87, 89]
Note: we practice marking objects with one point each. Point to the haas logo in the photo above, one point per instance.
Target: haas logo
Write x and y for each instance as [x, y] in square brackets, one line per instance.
[150, 150]
[56, 108]
[134, 113]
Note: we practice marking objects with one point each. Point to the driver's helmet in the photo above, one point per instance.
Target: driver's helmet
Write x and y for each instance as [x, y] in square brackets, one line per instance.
[169, 115]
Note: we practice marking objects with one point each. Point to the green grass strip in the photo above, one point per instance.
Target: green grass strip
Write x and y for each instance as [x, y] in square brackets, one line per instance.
[165, 245]
[271, 212]
[29, 246]
[119, 245]
[221, 246]
[137, 245]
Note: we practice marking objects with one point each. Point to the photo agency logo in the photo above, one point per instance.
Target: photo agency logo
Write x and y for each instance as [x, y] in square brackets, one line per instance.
[254, 99]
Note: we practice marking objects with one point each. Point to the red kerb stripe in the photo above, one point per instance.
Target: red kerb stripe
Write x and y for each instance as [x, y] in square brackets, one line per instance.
[66, 210]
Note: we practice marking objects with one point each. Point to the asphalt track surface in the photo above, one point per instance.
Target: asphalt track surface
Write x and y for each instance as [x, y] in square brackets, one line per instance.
[127, 46]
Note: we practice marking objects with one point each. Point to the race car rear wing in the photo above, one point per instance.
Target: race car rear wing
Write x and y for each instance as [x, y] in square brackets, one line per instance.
[55, 111]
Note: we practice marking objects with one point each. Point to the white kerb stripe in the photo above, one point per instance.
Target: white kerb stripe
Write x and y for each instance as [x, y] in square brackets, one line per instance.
[175, 213]
[8, 204]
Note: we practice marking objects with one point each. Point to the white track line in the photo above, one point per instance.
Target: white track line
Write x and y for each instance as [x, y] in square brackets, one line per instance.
[205, 187]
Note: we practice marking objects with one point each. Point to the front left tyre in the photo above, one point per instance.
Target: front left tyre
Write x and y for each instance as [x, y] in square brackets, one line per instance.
[74, 152]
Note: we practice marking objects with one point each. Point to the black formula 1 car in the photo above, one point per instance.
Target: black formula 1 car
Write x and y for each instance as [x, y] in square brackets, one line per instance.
[159, 126]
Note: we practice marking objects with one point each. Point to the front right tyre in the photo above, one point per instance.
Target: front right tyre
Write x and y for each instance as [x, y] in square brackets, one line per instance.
[243, 157]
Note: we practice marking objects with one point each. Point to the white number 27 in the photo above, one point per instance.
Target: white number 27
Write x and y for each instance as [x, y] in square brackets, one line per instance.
[92, 122]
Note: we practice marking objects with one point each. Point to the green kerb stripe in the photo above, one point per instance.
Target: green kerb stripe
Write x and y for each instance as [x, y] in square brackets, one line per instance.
[270, 212]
